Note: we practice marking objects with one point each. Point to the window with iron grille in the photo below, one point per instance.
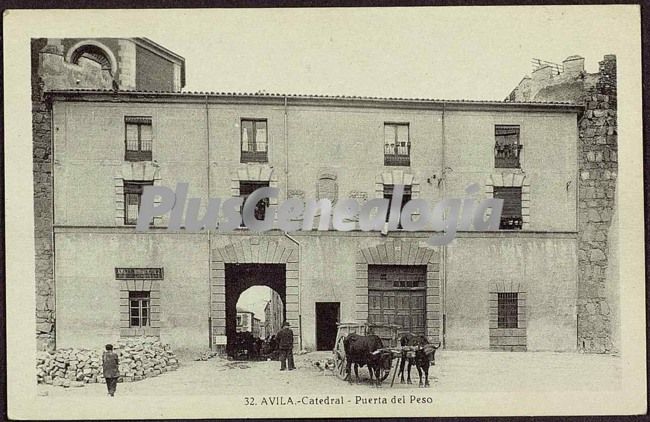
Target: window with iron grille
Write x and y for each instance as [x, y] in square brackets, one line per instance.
[132, 199]
[507, 310]
[397, 144]
[388, 194]
[254, 140]
[139, 309]
[507, 148]
[511, 218]
[138, 138]
[245, 189]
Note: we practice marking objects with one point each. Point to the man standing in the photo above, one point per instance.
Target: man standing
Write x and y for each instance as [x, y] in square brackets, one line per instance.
[110, 364]
[285, 344]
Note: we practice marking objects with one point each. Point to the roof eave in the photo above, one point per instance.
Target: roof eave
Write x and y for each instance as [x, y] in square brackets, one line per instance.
[267, 99]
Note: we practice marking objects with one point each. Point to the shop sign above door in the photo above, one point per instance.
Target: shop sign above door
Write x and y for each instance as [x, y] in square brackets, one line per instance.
[139, 273]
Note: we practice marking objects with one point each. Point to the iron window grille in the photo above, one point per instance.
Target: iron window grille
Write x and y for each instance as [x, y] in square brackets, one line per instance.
[245, 189]
[391, 277]
[397, 144]
[507, 148]
[132, 200]
[388, 194]
[511, 218]
[138, 138]
[254, 140]
[139, 307]
[507, 310]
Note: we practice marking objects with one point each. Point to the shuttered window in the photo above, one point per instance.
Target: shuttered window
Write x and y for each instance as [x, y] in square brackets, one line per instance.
[132, 198]
[511, 214]
[388, 194]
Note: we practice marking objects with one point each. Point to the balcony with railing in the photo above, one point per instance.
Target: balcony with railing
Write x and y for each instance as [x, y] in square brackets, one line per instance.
[506, 155]
[397, 155]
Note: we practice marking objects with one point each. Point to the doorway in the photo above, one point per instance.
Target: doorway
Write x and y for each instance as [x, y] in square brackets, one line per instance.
[327, 316]
[239, 279]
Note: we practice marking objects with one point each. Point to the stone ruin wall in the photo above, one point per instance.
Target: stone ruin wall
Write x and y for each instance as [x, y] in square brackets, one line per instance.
[598, 288]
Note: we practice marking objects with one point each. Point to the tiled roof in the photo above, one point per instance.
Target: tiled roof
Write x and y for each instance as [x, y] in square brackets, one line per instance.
[305, 96]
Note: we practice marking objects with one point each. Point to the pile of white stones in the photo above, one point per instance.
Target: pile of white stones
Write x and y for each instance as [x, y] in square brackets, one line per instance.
[139, 358]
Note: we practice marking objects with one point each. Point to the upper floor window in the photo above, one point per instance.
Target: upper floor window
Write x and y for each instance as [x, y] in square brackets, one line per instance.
[507, 147]
[511, 218]
[132, 199]
[254, 140]
[397, 145]
[245, 189]
[138, 138]
[507, 310]
[388, 194]
[139, 309]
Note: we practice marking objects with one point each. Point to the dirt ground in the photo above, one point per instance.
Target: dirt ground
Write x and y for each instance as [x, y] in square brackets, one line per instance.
[466, 371]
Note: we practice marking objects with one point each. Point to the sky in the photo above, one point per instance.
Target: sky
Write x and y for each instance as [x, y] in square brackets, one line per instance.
[423, 52]
[254, 299]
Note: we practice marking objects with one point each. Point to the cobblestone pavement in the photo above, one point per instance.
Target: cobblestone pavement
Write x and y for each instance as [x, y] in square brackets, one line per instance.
[454, 371]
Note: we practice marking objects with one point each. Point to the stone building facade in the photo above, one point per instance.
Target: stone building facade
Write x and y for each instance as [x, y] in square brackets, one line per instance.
[108, 63]
[514, 289]
[598, 311]
[273, 314]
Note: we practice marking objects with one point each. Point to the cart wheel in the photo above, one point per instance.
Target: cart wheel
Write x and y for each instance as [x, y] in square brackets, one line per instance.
[339, 359]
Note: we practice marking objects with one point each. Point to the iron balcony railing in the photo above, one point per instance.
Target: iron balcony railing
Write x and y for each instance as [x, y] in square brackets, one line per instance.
[507, 155]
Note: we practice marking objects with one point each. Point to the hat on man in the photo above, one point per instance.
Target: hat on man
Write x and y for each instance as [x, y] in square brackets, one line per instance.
[109, 347]
[286, 324]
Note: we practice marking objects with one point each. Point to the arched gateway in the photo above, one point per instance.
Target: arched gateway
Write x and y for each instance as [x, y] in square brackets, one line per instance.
[238, 264]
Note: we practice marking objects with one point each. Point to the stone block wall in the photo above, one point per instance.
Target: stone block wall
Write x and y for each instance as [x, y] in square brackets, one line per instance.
[43, 237]
[598, 163]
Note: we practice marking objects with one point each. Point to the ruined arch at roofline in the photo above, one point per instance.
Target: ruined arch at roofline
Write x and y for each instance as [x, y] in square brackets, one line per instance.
[77, 50]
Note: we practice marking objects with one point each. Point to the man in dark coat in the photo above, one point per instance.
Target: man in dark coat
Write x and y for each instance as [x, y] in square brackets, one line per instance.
[110, 364]
[285, 344]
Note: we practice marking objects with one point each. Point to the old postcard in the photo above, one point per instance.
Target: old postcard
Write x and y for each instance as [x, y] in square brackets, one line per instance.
[324, 212]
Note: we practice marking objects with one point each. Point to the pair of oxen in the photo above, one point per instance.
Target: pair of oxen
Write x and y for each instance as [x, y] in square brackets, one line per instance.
[369, 350]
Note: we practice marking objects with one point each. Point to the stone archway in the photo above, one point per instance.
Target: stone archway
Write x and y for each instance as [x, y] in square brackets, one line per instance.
[402, 252]
[253, 250]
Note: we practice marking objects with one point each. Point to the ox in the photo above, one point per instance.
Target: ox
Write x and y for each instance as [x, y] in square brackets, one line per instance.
[424, 354]
[365, 350]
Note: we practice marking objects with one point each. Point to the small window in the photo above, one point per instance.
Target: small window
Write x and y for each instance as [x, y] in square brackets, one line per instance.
[507, 147]
[511, 218]
[139, 309]
[388, 194]
[507, 310]
[254, 141]
[138, 138]
[132, 198]
[247, 188]
[397, 145]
